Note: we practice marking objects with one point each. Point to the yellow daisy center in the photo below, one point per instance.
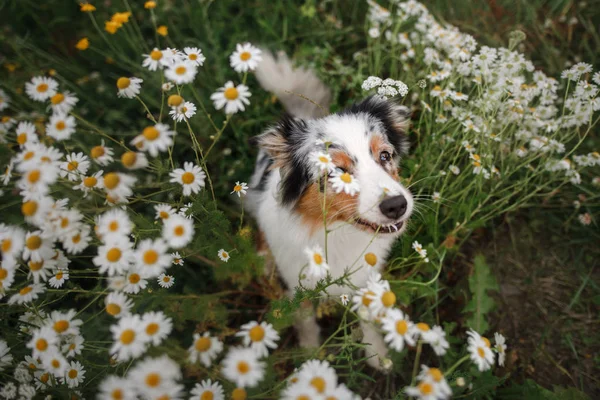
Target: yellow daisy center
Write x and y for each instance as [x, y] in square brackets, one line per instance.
[151, 133]
[180, 70]
[371, 259]
[113, 255]
[22, 138]
[29, 208]
[239, 394]
[117, 394]
[366, 300]
[174, 100]
[481, 352]
[123, 83]
[257, 333]
[207, 395]
[318, 383]
[318, 259]
[73, 374]
[57, 98]
[346, 178]
[401, 327]
[90, 182]
[6, 245]
[436, 374]
[60, 125]
[163, 215]
[36, 266]
[231, 93]
[41, 344]
[3, 273]
[425, 388]
[187, 178]
[34, 176]
[422, 326]
[150, 256]
[128, 159]
[179, 230]
[111, 180]
[72, 165]
[243, 367]
[202, 344]
[152, 328]
[134, 278]
[156, 55]
[33, 242]
[97, 151]
[42, 87]
[388, 299]
[193, 56]
[245, 56]
[61, 326]
[127, 336]
[59, 275]
[486, 341]
[113, 309]
[25, 290]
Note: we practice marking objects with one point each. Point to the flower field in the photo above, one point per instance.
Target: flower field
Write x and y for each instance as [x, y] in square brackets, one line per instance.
[131, 268]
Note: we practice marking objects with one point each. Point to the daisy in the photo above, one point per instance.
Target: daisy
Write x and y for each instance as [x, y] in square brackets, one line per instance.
[242, 367]
[204, 349]
[151, 257]
[165, 281]
[344, 299]
[382, 298]
[259, 337]
[129, 338]
[134, 160]
[178, 231]
[194, 55]
[42, 341]
[436, 338]
[240, 188]
[419, 249]
[177, 259]
[118, 185]
[181, 72]
[40, 270]
[154, 139]
[303, 391]
[60, 126]
[165, 87]
[115, 388]
[152, 376]
[322, 161]
[37, 247]
[184, 111]
[54, 362]
[425, 391]
[319, 375]
[398, 329]
[480, 351]
[117, 304]
[12, 241]
[245, 58]
[157, 326]
[63, 102]
[191, 177]
[115, 223]
[74, 375]
[101, 154]
[63, 323]
[7, 277]
[500, 348]
[343, 181]
[41, 88]
[134, 282]
[223, 255]
[5, 357]
[317, 266]
[26, 134]
[129, 87]
[163, 211]
[115, 257]
[231, 97]
[59, 278]
[208, 389]
[72, 346]
[157, 59]
[454, 169]
[88, 183]
[35, 182]
[77, 165]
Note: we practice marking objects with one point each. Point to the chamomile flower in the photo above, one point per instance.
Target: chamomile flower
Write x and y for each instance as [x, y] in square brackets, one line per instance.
[382, 297]
[207, 389]
[344, 299]
[134, 281]
[115, 388]
[176, 258]
[53, 361]
[436, 338]
[165, 281]
[435, 197]
[25, 133]
[480, 351]
[117, 304]
[90, 182]
[232, 97]
[102, 154]
[418, 247]
[194, 55]
[240, 188]
[151, 257]
[154, 139]
[7, 277]
[500, 348]
[181, 72]
[223, 255]
[245, 58]
[259, 337]
[63, 323]
[319, 375]
[74, 375]
[130, 341]
[43, 340]
[63, 102]
[344, 182]
[72, 345]
[12, 241]
[153, 376]
[178, 231]
[37, 247]
[129, 87]
[40, 270]
[241, 366]
[41, 88]
[428, 388]
[115, 257]
[317, 266]
[157, 326]
[60, 126]
[300, 390]
[398, 329]
[322, 161]
[454, 169]
[191, 177]
[205, 349]
[59, 277]
[134, 160]
[182, 112]
[77, 165]
[113, 223]
[157, 59]
[118, 186]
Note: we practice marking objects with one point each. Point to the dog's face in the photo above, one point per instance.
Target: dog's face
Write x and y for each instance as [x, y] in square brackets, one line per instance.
[366, 141]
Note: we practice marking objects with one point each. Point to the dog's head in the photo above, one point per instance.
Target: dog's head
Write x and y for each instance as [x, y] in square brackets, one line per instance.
[366, 141]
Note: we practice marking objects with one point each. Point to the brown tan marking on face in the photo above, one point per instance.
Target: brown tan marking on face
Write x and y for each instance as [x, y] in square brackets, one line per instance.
[340, 207]
[341, 160]
[378, 144]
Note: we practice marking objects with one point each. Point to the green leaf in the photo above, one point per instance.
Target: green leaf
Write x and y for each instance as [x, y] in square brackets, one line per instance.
[480, 304]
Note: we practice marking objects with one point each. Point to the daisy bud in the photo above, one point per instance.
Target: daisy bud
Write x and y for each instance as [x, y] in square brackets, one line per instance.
[174, 100]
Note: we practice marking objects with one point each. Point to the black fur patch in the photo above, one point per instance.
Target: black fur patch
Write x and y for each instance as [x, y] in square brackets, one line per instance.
[388, 113]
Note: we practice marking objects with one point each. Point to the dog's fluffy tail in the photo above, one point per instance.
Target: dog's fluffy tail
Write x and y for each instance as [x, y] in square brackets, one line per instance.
[302, 93]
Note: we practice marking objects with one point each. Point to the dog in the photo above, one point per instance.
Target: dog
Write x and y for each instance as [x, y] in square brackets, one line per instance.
[286, 192]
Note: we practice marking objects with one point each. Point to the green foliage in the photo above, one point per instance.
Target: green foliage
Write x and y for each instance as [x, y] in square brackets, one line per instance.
[480, 304]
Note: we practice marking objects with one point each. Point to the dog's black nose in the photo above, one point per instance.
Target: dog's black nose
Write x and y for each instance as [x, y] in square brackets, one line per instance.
[393, 207]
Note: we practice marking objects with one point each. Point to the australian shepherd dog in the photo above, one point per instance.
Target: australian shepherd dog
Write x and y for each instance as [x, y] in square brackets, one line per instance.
[294, 202]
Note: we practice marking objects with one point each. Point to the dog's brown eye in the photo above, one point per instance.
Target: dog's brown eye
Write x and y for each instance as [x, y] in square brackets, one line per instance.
[385, 156]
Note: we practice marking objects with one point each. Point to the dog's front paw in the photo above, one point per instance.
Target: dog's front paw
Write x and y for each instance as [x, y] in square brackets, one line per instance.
[377, 359]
